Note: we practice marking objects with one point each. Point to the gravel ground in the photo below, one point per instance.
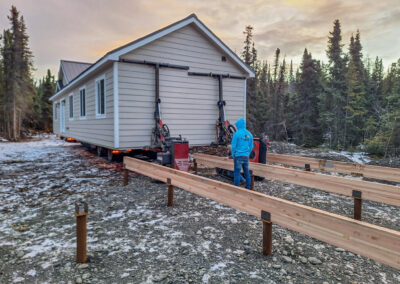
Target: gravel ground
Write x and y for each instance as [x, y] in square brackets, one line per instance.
[133, 237]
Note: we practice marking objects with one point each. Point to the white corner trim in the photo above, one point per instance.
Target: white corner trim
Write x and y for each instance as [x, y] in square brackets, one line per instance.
[116, 106]
[245, 99]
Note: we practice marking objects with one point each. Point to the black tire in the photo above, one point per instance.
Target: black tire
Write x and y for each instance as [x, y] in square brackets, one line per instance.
[165, 130]
[231, 129]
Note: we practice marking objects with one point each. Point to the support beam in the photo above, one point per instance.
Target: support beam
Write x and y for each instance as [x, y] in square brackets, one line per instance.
[377, 243]
[368, 171]
[373, 191]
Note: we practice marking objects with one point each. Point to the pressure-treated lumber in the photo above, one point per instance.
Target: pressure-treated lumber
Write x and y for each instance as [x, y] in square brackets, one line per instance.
[368, 171]
[374, 191]
[380, 244]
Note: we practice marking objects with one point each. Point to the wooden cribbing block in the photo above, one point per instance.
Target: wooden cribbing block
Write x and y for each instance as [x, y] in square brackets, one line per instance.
[378, 243]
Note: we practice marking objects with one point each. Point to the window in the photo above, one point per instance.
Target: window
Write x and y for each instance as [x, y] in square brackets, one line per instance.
[71, 106]
[56, 110]
[82, 98]
[100, 97]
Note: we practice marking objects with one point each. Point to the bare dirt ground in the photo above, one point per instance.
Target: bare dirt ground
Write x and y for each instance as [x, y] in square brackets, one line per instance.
[133, 237]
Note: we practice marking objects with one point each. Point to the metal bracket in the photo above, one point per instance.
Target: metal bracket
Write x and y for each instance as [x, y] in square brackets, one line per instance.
[168, 181]
[266, 216]
[357, 194]
[85, 207]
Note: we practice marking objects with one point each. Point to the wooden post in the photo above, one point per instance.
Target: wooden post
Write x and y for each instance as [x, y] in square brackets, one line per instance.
[252, 180]
[307, 167]
[170, 193]
[267, 233]
[81, 233]
[357, 204]
[195, 166]
[126, 177]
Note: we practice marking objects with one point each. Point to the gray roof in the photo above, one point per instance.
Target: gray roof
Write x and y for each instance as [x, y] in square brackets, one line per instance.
[72, 69]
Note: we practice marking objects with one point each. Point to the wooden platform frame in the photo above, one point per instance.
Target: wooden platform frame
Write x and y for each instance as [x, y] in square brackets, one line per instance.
[377, 243]
[374, 191]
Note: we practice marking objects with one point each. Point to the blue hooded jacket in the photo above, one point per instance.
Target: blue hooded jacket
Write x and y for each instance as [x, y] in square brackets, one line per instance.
[242, 141]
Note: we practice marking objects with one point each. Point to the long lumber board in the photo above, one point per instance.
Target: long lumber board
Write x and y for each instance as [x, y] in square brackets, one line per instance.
[368, 171]
[377, 243]
[374, 191]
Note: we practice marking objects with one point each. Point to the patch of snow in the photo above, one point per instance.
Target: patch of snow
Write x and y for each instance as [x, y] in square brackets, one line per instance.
[217, 266]
[31, 272]
[357, 157]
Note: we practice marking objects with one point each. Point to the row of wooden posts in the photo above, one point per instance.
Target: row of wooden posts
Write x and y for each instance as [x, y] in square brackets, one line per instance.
[265, 216]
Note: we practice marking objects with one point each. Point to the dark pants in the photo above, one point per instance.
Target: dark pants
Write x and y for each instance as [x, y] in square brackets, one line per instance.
[239, 164]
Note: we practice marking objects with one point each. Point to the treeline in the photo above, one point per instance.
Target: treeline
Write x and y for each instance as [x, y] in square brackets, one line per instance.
[24, 104]
[349, 102]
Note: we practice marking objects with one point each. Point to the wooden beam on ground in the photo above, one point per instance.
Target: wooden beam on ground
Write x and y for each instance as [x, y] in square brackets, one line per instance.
[368, 171]
[377, 243]
[374, 191]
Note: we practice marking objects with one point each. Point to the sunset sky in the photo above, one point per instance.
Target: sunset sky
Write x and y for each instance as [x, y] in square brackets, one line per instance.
[84, 30]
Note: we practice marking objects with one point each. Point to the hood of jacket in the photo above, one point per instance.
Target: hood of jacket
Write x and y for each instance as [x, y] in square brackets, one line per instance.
[240, 124]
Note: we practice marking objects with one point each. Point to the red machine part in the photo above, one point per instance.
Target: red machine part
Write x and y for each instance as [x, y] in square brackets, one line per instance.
[255, 154]
[181, 157]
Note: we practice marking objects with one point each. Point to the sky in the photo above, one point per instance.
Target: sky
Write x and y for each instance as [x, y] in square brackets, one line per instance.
[84, 30]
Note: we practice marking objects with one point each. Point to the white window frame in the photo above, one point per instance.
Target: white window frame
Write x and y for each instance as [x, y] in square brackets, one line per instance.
[69, 106]
[56, 110]
[100, 115]
[80, 103]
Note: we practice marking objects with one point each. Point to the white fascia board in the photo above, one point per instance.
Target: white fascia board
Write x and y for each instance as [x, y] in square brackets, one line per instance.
[76, 81]
[116, 105]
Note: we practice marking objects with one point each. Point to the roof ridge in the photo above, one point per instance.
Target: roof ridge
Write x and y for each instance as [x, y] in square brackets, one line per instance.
[72, 61]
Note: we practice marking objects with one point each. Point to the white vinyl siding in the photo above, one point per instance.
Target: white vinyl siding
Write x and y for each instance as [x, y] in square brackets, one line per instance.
[188, 103]
[71, 106]
[92, 130]
[82, 102]
[100, 97]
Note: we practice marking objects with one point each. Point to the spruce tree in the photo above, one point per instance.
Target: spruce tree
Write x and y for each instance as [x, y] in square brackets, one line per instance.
[355, 109]
[18, 83]
[249, 56]
[335, 98]
[309, 132]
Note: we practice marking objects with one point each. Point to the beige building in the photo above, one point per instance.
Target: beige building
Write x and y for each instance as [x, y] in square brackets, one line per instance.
[111, 103]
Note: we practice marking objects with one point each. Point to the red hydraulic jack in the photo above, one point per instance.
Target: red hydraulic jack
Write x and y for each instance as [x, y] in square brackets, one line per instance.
[81, 232]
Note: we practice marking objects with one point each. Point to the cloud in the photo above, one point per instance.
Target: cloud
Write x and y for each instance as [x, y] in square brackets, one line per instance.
[86, 30]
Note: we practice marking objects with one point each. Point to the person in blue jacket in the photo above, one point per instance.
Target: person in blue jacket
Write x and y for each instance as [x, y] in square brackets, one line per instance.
[242, 145]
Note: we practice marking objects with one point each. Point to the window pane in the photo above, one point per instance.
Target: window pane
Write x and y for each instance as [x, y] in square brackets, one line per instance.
[98, 97]
[71, 107]
[84, 102]
[102, 96]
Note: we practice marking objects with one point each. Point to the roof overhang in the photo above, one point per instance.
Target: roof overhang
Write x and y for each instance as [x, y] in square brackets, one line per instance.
[115, 54]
